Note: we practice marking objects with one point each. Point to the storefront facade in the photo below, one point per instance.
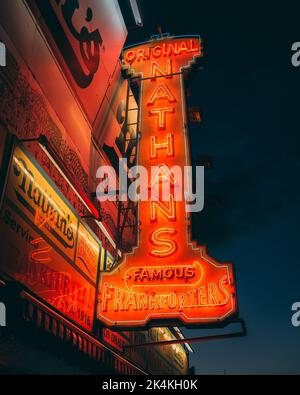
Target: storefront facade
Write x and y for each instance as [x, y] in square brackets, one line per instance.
[65, 110]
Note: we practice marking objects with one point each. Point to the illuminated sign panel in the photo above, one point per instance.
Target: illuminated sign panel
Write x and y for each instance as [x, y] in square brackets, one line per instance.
[166, 278]
[44, 245]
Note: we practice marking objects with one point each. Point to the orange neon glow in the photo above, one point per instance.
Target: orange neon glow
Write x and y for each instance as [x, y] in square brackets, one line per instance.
[37, 255]
[162, 115]
[166, 49]
[161, 173]
[166, 278]
[157, 238]
[168, 145]
[180, 275]
[159, 70]
[161, 92]
[166, 208]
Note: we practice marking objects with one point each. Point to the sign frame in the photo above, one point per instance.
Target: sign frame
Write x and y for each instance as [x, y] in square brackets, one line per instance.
[11, 142]
[153, 319]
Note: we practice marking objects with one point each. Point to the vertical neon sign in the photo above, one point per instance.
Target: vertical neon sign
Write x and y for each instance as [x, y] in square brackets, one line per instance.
[167, 279]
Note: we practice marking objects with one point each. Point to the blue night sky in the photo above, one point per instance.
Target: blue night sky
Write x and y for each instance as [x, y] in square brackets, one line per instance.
[248, 93]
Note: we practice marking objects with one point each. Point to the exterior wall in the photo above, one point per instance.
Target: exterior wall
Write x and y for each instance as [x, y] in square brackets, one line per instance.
[86, 127]
[32, 104]
[171, 359]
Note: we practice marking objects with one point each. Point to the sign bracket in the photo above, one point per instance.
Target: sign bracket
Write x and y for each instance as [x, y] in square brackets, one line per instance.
[240, 333]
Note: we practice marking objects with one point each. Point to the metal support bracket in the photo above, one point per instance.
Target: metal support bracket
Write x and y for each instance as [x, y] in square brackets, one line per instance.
[241, 333]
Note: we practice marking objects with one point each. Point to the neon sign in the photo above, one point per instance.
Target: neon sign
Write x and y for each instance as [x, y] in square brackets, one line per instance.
[45, 246]
[167, 279]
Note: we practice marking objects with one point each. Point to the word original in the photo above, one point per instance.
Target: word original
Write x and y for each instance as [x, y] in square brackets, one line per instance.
[161, 50]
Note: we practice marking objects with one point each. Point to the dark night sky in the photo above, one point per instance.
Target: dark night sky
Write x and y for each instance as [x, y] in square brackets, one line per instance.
[249, 97]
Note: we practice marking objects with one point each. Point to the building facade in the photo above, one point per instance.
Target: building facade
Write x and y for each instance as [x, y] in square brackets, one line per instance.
[66, 108]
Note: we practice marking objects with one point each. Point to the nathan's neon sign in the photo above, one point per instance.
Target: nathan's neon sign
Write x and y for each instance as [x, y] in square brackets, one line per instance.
[166, 278]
